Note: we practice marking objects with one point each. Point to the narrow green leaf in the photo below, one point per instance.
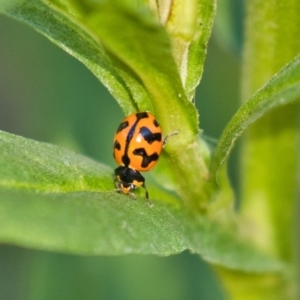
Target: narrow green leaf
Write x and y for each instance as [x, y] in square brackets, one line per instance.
[198, 46]
[70, 35]
[54, 199]
[281, 89]
[189, 25]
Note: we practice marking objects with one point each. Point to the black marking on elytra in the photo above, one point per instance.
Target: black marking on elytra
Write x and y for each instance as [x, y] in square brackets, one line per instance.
[147, 159]
[117, 145]
[125, 160]
[122, 126]
[156, 124]
[142, 115]
[139, 116]
[149, 136]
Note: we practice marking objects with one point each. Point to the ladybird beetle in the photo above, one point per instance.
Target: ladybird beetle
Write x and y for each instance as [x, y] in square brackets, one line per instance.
[137, 145]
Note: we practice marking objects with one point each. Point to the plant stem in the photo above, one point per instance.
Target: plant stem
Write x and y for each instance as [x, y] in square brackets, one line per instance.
[270, 153]
[248, 286]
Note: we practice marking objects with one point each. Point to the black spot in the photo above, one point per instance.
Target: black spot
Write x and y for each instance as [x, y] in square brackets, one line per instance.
[117, 145]
[142, 115]
[122, 126]
[130, 134]
[156, 124]
[139, 116]
[139, 152]
[125, 160]
[147, 159]
[149, 136]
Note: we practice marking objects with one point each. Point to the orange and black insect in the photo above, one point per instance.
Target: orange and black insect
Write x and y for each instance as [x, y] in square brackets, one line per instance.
[138, 143]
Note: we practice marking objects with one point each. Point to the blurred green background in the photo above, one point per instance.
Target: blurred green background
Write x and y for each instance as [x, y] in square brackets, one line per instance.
[47, 95]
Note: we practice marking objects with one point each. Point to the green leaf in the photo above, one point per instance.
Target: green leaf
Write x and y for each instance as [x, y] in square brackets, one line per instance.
[189, 25]
[281, 89]
[198, 45]
[90, 223]
[54, 199]
[62, 29]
